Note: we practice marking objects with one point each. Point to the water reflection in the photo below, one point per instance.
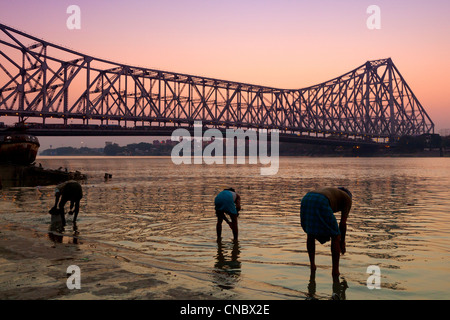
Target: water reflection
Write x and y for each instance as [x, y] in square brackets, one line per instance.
[312, 287]
[57, 232]
[338, 288]
[399, 219]
[227, 269]
[383, 216]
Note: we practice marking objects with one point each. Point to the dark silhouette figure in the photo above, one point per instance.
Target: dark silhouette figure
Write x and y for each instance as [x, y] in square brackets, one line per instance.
[67, 191]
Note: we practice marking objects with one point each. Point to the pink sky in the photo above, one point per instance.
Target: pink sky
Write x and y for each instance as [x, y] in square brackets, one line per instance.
[284, 43]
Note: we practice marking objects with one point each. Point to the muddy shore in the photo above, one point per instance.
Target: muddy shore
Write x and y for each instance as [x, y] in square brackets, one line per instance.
[33, 266]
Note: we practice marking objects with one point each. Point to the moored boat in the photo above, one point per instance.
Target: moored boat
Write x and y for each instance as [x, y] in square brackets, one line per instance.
[17, 146]
[18, 151]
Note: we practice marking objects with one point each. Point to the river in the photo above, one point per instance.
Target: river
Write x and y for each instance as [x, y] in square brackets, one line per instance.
[399, 221]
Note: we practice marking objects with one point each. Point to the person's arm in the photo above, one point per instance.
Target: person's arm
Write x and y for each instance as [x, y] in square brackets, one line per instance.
[343, 225]
[238, 202]
[77, 209]
[57, 196]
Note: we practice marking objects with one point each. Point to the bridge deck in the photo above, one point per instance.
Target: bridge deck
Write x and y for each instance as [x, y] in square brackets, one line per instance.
[52, 84]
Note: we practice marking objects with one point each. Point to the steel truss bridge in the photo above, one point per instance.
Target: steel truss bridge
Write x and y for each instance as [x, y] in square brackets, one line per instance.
[59, 91]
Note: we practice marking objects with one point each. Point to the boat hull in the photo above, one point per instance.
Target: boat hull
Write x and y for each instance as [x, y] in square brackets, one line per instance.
[18, 148]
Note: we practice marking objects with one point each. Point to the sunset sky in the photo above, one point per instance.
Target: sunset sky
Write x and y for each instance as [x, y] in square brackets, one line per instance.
[284, 44]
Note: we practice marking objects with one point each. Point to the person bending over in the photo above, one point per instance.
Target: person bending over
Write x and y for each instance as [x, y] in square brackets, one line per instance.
[227, 202]
[319, 223]
[64, 192]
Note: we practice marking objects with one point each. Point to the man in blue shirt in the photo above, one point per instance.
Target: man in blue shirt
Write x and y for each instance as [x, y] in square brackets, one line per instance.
[229, 202]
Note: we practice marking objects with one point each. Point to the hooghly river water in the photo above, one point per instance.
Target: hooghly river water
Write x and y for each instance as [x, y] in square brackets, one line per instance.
[399, 221]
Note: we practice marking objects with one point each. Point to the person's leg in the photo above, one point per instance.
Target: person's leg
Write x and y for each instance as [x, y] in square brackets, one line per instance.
[335, 253]
[234, 225]
[62, 203]
[311, 247]
[219, 224]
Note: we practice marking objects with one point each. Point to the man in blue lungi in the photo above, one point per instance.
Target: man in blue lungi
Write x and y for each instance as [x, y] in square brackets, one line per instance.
[318, 221]
[227, 202]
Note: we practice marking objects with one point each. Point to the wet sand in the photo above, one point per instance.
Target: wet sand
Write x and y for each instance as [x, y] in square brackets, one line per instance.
[33, 267]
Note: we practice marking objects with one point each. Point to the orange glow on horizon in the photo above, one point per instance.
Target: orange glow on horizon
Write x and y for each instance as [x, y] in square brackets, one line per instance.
[283, 44]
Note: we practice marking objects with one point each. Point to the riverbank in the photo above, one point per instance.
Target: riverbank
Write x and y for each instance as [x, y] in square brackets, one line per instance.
[33, 266]
[285, 149]
[16, 175]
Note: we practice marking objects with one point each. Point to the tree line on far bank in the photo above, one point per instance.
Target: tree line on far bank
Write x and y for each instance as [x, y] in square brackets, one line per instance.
[113, 149]
[405, 145]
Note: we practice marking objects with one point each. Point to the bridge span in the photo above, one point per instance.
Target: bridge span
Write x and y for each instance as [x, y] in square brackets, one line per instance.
[59, 91]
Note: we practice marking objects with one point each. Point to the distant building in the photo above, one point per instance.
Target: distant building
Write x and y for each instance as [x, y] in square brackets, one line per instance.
[169, 142]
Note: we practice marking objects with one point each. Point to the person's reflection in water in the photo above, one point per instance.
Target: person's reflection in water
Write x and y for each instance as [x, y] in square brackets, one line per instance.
[56, 231]
[312, 287]
[227, 269]
[339, 288]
